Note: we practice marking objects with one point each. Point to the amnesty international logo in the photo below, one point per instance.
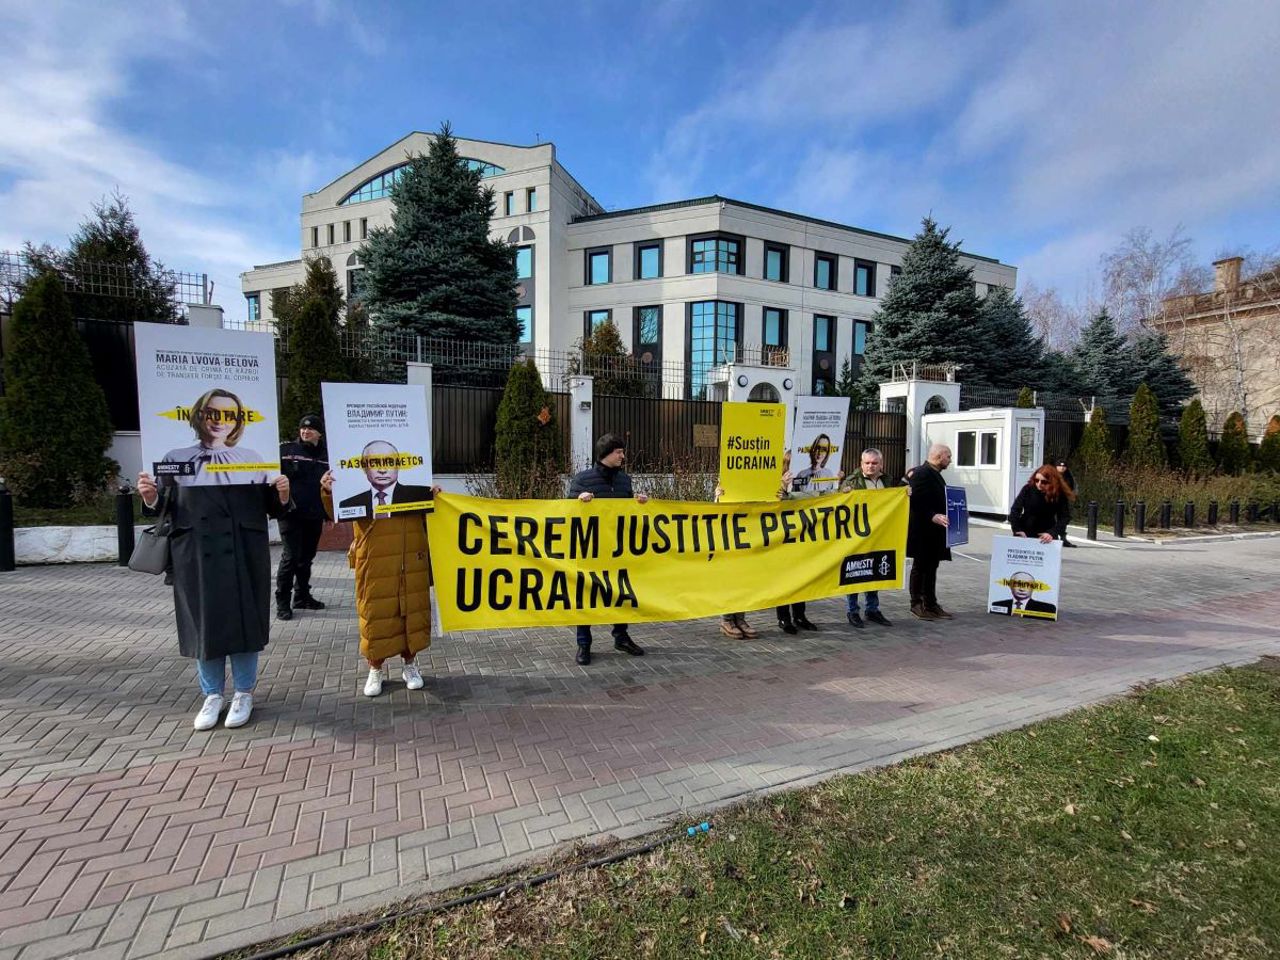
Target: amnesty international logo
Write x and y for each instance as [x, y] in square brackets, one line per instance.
[868, 567]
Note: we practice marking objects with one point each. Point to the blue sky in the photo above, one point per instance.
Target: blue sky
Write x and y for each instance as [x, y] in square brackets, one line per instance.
[1039, 131]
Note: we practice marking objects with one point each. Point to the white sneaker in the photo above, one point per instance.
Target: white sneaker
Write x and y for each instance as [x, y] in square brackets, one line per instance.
[412, 678]
[241, 707]
[373, 683]
[207, 718]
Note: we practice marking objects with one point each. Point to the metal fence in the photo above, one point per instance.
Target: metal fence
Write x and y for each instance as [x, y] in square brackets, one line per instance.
[463, 421]
[108, 280]
[662, 435]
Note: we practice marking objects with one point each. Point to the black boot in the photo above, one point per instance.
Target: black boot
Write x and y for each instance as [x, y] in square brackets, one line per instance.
[584, 655]
[307, 602]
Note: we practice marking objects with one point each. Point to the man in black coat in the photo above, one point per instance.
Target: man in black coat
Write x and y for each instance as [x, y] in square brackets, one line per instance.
[606, 478]
[927, 533]
[304, 462]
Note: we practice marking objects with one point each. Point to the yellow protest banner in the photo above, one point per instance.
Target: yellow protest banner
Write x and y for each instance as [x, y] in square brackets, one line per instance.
[751, 448]
[530, 563]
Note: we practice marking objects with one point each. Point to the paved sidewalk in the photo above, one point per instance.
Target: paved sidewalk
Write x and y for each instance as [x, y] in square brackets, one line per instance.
[124, 833]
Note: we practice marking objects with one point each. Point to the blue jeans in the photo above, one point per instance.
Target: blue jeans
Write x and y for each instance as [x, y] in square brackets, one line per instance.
[584, 634]
[873, 601]
[213, 673]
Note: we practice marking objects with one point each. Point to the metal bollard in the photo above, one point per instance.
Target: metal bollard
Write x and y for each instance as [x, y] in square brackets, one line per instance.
[8, 556]
[1166, 515]
[1251, 512]
[1119, 519]
[124, 525]
[1233, 513]
[1140, 517]
[1093, 520]
[1212, 518]
[1275, 511]
[1189, 514]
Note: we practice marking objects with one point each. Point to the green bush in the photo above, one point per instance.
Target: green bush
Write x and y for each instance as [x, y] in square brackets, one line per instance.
[1269, 450]
[55, 431]
[1026, 399]
[1234, 455]
[1153, 486]
[529, 459]
[1193, 441]
[1096, 452]
[1145, 448]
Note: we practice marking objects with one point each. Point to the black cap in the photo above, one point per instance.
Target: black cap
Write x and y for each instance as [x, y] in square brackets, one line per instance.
[311, 421]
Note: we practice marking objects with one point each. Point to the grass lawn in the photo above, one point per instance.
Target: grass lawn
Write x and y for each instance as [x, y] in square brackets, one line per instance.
[1148, 827]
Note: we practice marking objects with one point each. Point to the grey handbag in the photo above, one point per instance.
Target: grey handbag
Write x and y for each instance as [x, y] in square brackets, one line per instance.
[151, 553]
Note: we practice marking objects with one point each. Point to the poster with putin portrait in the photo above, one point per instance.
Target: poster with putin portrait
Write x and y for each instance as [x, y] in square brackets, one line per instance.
[1024, 578]
[207, 405]
[817, 443]
[379, 448]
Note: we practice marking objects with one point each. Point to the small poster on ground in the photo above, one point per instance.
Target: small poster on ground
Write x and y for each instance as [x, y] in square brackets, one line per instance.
[957, 516]
[379, 448]
[1024, 577]
[207, 405]
[751, 445]
[817, 443]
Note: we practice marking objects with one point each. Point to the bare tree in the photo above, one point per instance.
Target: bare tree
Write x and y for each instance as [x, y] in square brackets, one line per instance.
[1054, 321]
[1142, 271]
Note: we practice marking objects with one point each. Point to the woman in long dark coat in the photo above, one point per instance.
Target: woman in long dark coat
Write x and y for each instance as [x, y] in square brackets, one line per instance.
[220, 558]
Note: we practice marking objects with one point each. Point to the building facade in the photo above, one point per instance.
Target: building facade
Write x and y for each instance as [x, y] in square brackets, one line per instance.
[688, 284]
[1227, 341]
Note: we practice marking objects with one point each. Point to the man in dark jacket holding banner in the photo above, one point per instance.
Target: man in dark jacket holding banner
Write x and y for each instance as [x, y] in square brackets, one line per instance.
[304, 461]
[927, 533]
[606, 478]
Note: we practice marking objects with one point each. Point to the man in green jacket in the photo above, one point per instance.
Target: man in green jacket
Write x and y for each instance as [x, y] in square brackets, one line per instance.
[868, 476]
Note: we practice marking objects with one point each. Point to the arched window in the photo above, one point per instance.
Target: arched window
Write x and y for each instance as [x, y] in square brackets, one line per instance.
[935, 405]
[377, 187]
[764, 393]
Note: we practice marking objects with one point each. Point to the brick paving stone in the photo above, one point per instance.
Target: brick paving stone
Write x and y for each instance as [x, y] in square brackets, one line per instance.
[124, 833]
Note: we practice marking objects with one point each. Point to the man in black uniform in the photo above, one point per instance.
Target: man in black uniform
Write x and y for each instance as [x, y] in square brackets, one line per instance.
[304, 461]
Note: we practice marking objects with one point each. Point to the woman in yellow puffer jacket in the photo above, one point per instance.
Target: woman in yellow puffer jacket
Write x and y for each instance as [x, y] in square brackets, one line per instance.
[393, 603]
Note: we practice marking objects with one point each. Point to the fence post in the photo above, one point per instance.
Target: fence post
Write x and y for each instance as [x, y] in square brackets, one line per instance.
[1093, 520]
[124, 525]
[1251, 512]
[1189, 514]
[1212, 518]
[1119, 519]
[7, 554]
[1166, 515]
[581, 421]
[1140, 517]
[1233, 513]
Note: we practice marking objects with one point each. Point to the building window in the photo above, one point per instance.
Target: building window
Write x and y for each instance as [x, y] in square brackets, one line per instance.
[648, 261]
[822, 329]
[329, 234]
[1026, 447]
[824, 271]
[989, 449]
[346, 231]
[595, 318]
[717, 254]
[776, 263]
[254, 303]
[353, 284]
[646, 337]
[967, 448]
[599, 266]
[486, 169]
[715, 330]
[524, 316]
[864, 278]
[531, 199]
[315, 237]
[774, 327]
[860, 330]
[524, 263]
[895, 272]
[509, 203]
[376, 187]
[364, 228]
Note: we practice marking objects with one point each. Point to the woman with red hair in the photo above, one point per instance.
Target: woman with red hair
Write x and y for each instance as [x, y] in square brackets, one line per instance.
[1042, 507]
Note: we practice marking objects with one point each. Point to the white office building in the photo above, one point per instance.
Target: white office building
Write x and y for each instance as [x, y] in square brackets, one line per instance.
[686, 283]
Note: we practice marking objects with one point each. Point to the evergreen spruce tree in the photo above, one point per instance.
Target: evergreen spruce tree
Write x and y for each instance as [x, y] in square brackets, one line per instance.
[434, 272]
[1159, 370]
[1145, 448]
[310, 319]
[930, 314]
[1007, 353]
[1026, 399]
[527, 447]
[1060, 375]
[1095, 450]
[1193, 441]
[847, 384]
[107, 273]
[616, 372]
[1269, 450]
[1233, 447]
[54, 429]
[1104, 361]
